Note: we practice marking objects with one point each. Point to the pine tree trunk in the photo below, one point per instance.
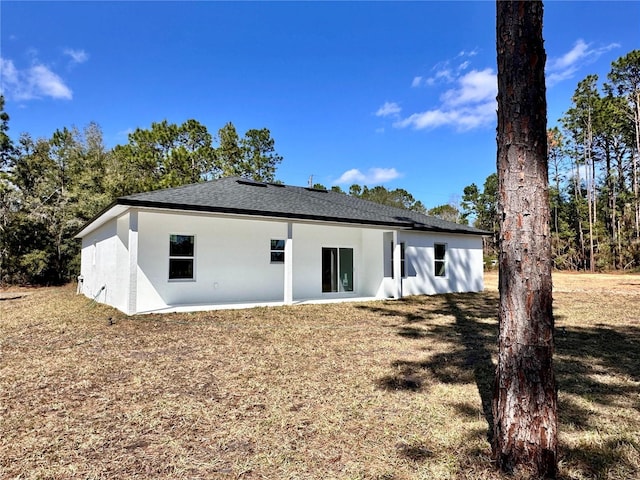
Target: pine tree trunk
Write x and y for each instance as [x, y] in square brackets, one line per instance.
[590, 179]
[636, 182]
[525, 398]
[611, 203]
[591, 206]
[577, 195]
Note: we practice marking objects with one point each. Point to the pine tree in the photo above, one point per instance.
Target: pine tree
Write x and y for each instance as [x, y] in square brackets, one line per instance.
[525, 399]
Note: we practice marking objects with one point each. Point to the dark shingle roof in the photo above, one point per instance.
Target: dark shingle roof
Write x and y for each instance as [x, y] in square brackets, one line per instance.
[240, 196]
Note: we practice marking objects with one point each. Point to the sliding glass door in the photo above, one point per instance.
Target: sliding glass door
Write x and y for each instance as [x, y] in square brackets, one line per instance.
[337, 269]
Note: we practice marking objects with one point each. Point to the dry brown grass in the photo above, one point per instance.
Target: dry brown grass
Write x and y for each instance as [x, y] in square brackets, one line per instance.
[379, 390]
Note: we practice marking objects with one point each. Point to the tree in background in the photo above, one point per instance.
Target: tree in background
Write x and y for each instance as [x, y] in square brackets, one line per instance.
[594, 174]
[613, 146]
[252, 156]
[90, 190]
[482, 207]
[592, 157]
[564, 251]
[166, 155]
[448, 212]
[582, 126]
[554, 155]
[53, 192]
[6, 144]
[229, 153]
[398, 198]
[625, 81]
[259, 157]
[50, 187]
[7, 192]
[525, 397]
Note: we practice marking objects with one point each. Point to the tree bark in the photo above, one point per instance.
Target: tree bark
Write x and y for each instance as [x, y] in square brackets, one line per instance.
[525, 397]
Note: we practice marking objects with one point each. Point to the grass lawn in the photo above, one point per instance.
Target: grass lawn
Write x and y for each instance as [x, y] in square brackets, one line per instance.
[379, 390]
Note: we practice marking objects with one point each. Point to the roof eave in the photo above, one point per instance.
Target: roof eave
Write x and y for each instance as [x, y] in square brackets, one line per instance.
[106, 214]
[120, 205]
[255, 213]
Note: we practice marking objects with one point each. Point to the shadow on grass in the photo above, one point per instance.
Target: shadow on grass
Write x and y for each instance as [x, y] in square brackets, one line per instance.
[472, 340]
[594, 365]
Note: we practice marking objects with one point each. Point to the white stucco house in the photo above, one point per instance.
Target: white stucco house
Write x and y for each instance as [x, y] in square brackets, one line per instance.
[234, 242]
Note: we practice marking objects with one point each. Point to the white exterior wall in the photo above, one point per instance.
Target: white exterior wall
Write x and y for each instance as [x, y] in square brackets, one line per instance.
[372, 267]
[308, 241]
[232, 261]
[464, 269]
[129, 255]
[104, 263]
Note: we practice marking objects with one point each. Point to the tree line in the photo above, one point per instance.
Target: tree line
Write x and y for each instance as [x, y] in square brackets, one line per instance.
[399, 197]
[594, 176]
[49, 187]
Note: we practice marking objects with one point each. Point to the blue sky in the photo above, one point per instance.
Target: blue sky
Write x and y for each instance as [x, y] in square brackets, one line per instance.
[394, 93]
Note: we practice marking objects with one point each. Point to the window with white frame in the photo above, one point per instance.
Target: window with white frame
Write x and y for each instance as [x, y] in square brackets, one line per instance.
[181, 257]
[277, 251]
[440, 260]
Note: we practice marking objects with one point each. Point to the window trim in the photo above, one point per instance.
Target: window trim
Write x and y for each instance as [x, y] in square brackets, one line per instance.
[442, 260]
[278, 251]
[182, 257]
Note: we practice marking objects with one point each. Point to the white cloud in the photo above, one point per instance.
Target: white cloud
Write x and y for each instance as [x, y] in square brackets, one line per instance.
[442, 74]
[463, 119]
[468, 53]
[428, 119]
[77, 56]
[446, 71]
[567, 65]
[47, 83]
[388, 109]
[34, 82]
[578, 51]
[468, 102]
[471, 104]
[8, 72]
[476, 86]
[372, 176]
[464, 65]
